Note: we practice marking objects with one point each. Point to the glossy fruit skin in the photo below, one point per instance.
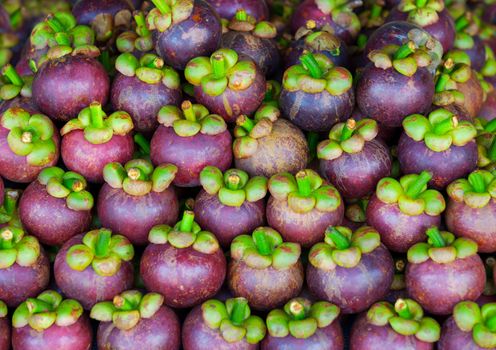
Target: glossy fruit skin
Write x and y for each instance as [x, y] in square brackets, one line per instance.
[85, 11]
[488, 110]
[474, 98]
[478, 224]
[390, 33]
[297, 47]
[160, 332]
[63, 87]
[185, 277]
[453, 338]
[5, 333]
[254, 8]
[477, 53]
[197, 335]
[77, 336]
[355, 175]
[191, 154]
[89, 159]
[142, 101]
[199, 35]
[446, 167]
[398, 231]
[227, 222]
[267, 288]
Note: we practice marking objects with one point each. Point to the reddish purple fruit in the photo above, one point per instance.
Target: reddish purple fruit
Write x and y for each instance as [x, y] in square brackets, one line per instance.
[227, 9]
[488, 110]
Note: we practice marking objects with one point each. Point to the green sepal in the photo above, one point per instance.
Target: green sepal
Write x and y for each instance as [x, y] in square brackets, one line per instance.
[16, 247]
[476, 191]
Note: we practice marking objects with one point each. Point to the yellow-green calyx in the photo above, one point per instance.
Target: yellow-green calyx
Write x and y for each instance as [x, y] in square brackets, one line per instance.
[486, 143]
[355, 211]
[3, 309]
[242, 22]
[319, 40]
[304, 191]
[167, 13]
[7, 42]
[441, 247]
[476, 191]
[440, 130]
[127, 309]
[349, 137]
[406, 317]
[466, 28]
[140, 39]
[272, 93]
[68, 185]
[222, 70]
[300, 318]
[15, 85]
[102, 250]
[17, 248]
[422, 12]
[97, 127]
[374, 16]
[138, 177]
[342, 13]
[480, 321]
[234, 187]
[30, 136]
[45, 310]
[186, 233]
[455, 70]
[411, 195]
[191, 119]
[233, 320]
[489, 68]
[149, 69]
[8, 211]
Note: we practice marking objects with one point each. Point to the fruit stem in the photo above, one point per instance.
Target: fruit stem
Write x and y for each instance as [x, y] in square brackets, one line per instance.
[37, 305]
[218, 66]
[241, 15]
[441, 82]
[491, 126]
[142, 143]
[262, 242]
[420, 3]
[401, 307]
[362, 41]
[492, 150]
[233, 182]
[339, 240]
[461, 23]
[141, 27]
[7, 237]
[445, 126]
[122, 303]
[187, 221]
[12, 75]
[404, 50]
[491, 324]
[417, 186]
[75, 185]
[348, 129]
[27, 137]
[188, 111]
[297, 310]
[96, 115]
[102, 243]
[303, 182]
[162, 6]
[245, 122]
[477, 182]
[105, 60]
[239, 311]
[134, 173]
[55, 24]
[10, 201]
[269, 92]
[399, 265]
[313, 141]
[435, 236]
[375, 11]
[308, 61]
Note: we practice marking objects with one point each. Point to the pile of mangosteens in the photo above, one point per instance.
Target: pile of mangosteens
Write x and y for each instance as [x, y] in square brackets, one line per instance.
[247, 174]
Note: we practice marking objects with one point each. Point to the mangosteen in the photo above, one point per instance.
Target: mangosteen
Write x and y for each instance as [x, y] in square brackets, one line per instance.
[223, 325]
[137, 41]
[94, 139]
[354, 213]
[471, 210]
[191, 138]
[402, 327]
[371, 18]
[439, 144]
[353, 159]
[183, 263]
[488, 71]
[226, 83]
[315, 94]
[133, 320]
[444, 271]
[468, 40]
[51, 322]
[28, 144]
[302, 324]
[142, 87]
[302, 206]
[184, 30]
[16, 91]
[4, 327]
[486, 143]
[488, 110]
[227, 9]
[137, 197]
[9, 215]
[230, 204]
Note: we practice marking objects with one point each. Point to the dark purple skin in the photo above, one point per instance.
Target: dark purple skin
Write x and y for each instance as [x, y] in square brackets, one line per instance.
[477, 53]
[48, 218]
[398, 231]
[227, 9]
[63, 87]
[490, 13]
[488, 110]
[199, 35]
[27, 54]
[87, 286]
[446, 167]
[366, 336]
[185, 277]
[355, 175]
[197, 335]
[191, 154]
[316, 112]
[162, 331]
[142, 101]
[453, 338]
[74, 337]
[227, 222]
[477, 224]
[391, 33]
[265, 289]
[305, 229]
[354, 289]
[17, 283]
[89, 159]
[297, 47]
[25, 103]
[134, 216]
[4, 333]
[85, 11]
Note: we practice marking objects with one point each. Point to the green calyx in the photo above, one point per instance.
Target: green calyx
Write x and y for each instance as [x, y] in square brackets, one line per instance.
[466, 28]
[138, 40]
[234, 187]
[300, 318]
[304, 191]
[45, 310]
[486, 143]
[265, 248]
[149, 69]
[191, 119]
[374, 17]
[344, 248]
[489, 68]
[233, 320]
[476, 191]
[422, 12]
[4, 311]
[102, 250]
[127, 309]
[222, 70]
[272, 93]
[186, 233]
[15, 85]
[481, 321]
[8, 211]
[17, 248]
[355, 211]
[138, 177]
[342, 13]
[455, 70]
[349, 137]
[242, 22]
[323, 39]
[30, 136]
[167, 13]
[440, 130]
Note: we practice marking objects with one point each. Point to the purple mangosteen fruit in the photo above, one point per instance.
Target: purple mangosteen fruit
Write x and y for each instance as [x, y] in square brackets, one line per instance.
[468, 40]
[227, 9]
[488, 110]
[16, 91]
[191, 138]
[138, 41]
[136, 197]
[4, 327]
